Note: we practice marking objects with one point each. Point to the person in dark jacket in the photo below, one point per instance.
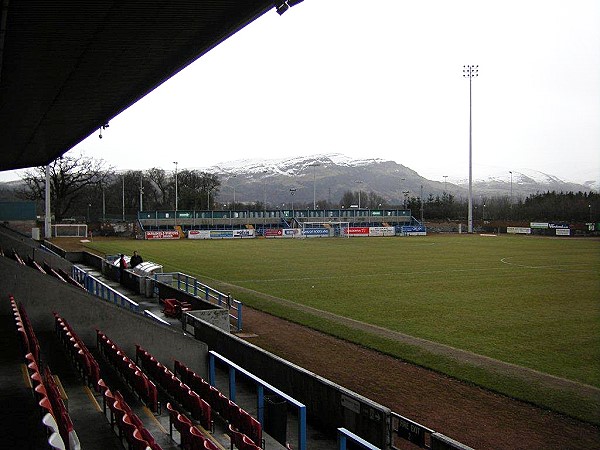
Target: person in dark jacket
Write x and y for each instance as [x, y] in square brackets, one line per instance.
[135, 259]
[122, 267]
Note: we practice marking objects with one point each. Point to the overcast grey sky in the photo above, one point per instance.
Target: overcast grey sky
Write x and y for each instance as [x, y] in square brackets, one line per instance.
[384, 79]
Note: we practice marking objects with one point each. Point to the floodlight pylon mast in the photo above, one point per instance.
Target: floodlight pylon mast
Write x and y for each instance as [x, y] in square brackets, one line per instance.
[470, 71]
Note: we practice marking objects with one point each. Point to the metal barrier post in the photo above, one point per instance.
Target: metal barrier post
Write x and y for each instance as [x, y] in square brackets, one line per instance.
[211, 369]
[232, 383]
[239, 316]
[187, 283]
[302, 427]
[260, 403]
[341, 441]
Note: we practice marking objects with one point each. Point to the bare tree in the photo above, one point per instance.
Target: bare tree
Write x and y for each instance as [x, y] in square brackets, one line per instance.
[157, 196]
[70, 178]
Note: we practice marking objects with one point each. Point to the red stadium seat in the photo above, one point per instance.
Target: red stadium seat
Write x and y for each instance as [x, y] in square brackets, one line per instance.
[210, 445]
[196, 439]
[147, 436]
[128, 429]
[183, 425]
[173, 413]
[138, 441]
[250, 427]
[248, 444]
[118, 411]
[232, 412]
[108, 399]
[235, 435]
[46, 406]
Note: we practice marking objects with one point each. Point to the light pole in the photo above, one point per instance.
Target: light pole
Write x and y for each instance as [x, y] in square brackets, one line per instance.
[511, 200]
[123, 198]
[292, 192]
[445, 177]
[422, 204]
[314, 166]
[359, 182]
[405, 197]
[176, 163]
[470, 71]
[401, 191]
[141, 193]
[233, 207]
[88, 213]
[265, 191]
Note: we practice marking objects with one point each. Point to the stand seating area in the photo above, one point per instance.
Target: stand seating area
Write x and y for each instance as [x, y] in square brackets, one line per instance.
[52, 409]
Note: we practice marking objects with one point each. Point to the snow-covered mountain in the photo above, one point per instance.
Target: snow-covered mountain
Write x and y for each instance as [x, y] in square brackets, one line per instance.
[330, 175]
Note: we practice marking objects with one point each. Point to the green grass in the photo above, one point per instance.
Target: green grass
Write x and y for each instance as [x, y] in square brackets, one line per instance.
[528, 301]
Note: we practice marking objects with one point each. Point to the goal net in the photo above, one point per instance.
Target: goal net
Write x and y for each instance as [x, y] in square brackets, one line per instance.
[324, 229]
[69, 230]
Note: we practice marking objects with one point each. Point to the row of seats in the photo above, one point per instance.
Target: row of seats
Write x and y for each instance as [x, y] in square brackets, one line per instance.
[14, 255]
[33, 263]
[240, 422]
[55, 416]
[84, 360]
[180, 392]
[190, 437]
[129, 425]
[56, 273]
[27, 338]
[129, 371]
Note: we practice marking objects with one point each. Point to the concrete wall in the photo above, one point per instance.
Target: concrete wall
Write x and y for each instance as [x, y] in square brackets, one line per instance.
[42, 294]
[217, 317]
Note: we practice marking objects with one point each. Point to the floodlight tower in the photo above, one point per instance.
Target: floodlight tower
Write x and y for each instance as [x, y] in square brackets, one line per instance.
[292, 192]
[470, 71]
[359, 182]
[314, 166]
[176, 164]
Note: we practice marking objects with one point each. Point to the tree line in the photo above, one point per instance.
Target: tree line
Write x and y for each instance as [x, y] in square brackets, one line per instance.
[85, 188]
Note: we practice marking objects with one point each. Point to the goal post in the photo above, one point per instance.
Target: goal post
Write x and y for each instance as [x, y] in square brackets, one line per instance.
[69, 230]
[322, 229]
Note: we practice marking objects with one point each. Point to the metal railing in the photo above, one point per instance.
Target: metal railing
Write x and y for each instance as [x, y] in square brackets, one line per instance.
[193, 286]
[261, 385]
[102, 290]
[345, 435]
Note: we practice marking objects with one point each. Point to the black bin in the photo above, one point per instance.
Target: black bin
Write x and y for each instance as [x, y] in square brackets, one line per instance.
[276, 418]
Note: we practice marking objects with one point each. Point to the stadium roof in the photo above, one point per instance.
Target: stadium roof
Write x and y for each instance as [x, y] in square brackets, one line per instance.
[67, 68]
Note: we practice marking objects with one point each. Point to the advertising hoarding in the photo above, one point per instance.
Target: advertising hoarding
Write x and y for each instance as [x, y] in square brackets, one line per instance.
[166, 234]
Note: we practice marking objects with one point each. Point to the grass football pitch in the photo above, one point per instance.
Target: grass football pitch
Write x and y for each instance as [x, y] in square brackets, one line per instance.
[533, 302]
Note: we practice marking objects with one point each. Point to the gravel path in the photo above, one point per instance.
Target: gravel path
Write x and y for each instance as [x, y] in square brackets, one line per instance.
[469, 414]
